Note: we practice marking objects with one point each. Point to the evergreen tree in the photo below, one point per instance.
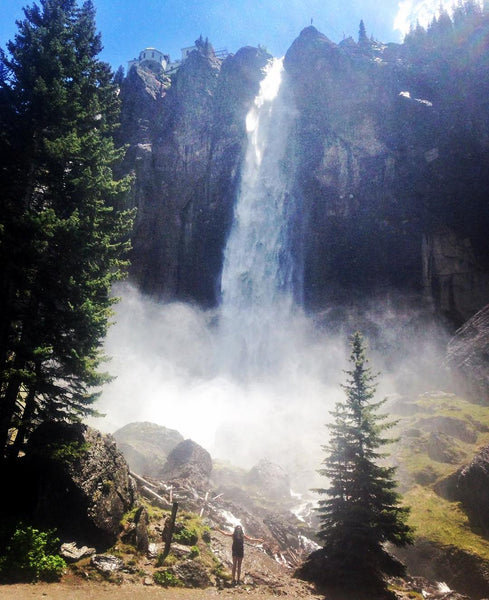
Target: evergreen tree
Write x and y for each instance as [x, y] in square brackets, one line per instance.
[362, 33]
[63, 230]
[362, 510]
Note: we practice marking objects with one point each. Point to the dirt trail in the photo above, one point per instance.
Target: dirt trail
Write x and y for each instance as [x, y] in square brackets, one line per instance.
[75, 589]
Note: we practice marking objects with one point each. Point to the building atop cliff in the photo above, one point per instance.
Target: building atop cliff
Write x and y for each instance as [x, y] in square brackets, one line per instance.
[156, 61]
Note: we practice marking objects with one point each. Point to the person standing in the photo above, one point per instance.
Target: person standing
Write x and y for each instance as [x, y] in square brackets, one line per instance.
[237, 550]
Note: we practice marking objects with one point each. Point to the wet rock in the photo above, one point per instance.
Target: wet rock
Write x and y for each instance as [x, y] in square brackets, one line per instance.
[283, 532]
[271, 479]
[146, 446]
[189, 462]
[106, 563]
[72, 553]
[185, 186]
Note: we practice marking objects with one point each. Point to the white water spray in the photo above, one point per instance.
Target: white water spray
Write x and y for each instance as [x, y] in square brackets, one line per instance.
[257, 282]
[255, 386]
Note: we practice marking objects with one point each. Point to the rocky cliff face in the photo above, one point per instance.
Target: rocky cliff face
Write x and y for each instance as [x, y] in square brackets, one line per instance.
[187, 169]
[390, 143]
[377, 163]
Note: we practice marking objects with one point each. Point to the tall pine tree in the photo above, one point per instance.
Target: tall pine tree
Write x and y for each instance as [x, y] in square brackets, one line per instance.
[362, 511]
[63, 230]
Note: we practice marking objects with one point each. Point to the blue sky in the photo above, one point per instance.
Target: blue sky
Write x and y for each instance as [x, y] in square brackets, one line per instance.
[128, 26]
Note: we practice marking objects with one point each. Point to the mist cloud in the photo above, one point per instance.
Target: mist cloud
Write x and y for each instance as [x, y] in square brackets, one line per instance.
[167, 359]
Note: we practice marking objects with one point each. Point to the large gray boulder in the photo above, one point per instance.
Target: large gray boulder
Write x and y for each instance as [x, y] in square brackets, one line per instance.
[189, 463]
[146, 446]
[79, 484]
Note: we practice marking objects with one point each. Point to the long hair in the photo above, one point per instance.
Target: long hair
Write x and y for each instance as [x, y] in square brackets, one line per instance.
[238, 534]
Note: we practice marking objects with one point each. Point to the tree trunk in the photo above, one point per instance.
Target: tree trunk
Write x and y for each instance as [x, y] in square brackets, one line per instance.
[168, 531]
[26, 420]
[7, 411]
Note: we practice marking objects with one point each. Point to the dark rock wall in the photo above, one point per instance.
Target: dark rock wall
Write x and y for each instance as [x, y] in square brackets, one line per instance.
[382, 155]
[391, 144]
[188, 171]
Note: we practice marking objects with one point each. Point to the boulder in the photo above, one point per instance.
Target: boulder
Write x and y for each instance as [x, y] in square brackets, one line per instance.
[189, 462]
[146, 446]
[107, 563]
[72, 553]
[193, 574]
[271, 479]
[79, 484]
[473, 490]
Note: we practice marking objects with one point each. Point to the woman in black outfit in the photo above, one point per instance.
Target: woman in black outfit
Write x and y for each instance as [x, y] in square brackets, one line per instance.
[239, 537]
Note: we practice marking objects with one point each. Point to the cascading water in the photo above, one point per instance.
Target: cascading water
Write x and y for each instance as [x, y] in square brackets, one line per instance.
[249, 387]
[259, 272]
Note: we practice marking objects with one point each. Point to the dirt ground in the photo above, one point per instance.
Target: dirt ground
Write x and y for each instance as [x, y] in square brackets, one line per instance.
[76, 589]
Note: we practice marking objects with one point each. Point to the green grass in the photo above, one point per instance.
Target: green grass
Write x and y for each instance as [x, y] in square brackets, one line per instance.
[434, 517]
[441, 521]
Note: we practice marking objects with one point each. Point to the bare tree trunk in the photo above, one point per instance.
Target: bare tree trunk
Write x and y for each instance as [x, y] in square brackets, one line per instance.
[168, 531]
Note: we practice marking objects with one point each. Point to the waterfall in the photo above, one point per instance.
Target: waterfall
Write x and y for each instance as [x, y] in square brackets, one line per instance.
[259, 272]
[248, 379]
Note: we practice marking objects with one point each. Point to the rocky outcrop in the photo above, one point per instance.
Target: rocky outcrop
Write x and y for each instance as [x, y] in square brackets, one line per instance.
[374, 159]
[469, 485]
[146, 446]
[271, 479]
[467, 354]
[448, 564]
[449, 426]
[77, 482]
[473, 490]
[188, 170]
[387, 143]
[188, 462]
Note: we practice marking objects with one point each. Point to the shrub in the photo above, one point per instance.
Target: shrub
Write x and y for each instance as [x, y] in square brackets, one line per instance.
[67, 452]
[194, 552]
[166, 579]
[187, 537]
[31, 555]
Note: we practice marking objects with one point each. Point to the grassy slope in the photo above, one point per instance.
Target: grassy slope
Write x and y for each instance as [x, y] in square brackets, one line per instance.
[433, 517]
